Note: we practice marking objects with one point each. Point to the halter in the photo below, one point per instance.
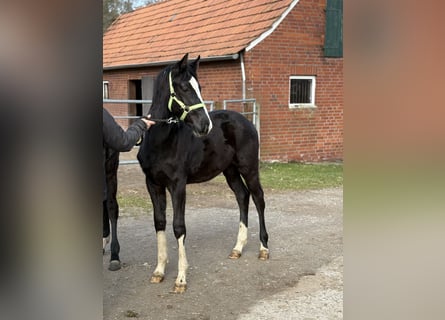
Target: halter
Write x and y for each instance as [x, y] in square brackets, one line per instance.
[185, 109]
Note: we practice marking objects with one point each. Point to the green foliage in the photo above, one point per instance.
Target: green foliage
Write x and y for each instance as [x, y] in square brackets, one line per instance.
[111, 9]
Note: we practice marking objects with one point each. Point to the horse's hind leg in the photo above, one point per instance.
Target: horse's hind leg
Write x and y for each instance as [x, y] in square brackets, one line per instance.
[253, 184]
[242, 194]
[158, 199]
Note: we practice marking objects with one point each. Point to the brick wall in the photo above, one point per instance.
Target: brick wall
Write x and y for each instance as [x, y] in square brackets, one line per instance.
[294, 48]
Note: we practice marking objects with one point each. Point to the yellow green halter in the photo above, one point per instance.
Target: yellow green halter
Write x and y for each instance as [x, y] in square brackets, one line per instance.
[185, 109]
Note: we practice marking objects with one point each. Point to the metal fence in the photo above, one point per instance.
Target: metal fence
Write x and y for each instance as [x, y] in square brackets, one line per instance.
[247, 111]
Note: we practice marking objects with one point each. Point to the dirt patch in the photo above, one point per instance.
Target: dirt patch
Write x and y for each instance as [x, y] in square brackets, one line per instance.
[305, 231]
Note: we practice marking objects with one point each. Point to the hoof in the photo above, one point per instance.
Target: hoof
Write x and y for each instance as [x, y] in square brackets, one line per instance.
[179, 288]
[235, 254]
[264, 255]
[157, 278]
[114, 265]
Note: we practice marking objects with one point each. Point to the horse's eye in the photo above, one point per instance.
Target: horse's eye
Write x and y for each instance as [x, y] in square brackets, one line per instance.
[184, 86]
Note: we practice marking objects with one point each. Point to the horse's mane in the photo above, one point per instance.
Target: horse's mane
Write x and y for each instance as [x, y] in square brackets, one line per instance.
[161, 93]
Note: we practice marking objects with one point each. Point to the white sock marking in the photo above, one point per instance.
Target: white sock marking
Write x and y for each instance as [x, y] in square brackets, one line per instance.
[242, 237]
[182, 263]
[162, 253]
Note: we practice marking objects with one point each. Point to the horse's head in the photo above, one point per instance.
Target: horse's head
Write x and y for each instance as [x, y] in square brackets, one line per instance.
[185, 101]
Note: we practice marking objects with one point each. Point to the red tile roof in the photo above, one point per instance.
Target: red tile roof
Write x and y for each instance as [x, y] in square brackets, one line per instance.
[165, 31]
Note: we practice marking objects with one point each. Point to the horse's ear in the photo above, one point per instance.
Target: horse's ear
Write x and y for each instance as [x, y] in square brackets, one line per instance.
[183, 63]
[195, 64]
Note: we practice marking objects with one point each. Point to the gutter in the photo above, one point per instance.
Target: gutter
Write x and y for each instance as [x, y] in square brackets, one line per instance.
[243, 74]
[234, 56]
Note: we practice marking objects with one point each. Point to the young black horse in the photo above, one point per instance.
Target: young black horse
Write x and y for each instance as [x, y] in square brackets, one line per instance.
[195, 147]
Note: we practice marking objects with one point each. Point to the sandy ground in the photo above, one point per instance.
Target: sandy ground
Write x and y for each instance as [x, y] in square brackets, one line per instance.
[302, 280]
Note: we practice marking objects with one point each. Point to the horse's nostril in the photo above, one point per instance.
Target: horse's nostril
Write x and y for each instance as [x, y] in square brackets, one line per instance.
[204, 127]
[203, 130]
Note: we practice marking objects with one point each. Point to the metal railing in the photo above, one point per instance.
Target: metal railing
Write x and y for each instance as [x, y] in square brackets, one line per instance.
[126, 101]
[254, 112]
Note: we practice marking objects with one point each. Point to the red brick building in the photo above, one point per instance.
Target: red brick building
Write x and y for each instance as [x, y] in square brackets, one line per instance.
[286, 54]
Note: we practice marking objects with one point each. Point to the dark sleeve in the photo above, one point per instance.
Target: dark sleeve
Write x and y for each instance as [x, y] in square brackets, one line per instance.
[118, 139]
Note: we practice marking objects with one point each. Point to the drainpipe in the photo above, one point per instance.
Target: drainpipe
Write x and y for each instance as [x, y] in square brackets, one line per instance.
[243, 74]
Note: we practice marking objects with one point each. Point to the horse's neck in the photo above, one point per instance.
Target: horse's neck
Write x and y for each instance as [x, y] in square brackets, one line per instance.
[159, 109]
[164, 134]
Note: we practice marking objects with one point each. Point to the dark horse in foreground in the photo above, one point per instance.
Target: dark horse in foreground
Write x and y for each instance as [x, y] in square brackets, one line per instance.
[195, 146]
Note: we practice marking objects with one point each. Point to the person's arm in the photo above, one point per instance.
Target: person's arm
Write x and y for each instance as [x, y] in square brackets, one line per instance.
[118, 139]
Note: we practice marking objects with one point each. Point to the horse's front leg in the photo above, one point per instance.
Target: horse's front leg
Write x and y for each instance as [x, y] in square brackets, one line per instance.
[158, 199]
[178, 200]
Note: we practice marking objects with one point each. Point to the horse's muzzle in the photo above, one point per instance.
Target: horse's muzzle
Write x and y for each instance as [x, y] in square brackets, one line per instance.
[203, 129]
[200, 122]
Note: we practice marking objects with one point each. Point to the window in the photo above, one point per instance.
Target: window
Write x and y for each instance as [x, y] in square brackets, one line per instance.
[333, 41]
[105, 90]
[302, 91]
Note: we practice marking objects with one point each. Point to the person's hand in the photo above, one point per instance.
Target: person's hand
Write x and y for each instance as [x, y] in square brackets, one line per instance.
[147, 121]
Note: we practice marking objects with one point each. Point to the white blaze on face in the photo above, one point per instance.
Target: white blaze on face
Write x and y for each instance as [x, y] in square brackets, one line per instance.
[195, 86]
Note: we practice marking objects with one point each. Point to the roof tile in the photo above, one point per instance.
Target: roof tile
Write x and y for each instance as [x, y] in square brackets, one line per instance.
[164, 31]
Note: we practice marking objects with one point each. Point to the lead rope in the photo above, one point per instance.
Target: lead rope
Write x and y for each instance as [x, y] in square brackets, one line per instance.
[169, 120]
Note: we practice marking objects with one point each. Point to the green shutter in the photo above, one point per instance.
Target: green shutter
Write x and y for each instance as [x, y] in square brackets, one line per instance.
[333, 46]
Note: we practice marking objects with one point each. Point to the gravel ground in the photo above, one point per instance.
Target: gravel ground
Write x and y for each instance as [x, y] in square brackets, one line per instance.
[302, 279]
[318, 297]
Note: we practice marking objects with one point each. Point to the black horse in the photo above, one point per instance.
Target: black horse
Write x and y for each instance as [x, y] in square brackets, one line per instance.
[194, 146]
[111, 208]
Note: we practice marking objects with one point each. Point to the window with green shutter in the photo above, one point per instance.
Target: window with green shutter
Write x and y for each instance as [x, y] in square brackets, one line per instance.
[333, 45]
